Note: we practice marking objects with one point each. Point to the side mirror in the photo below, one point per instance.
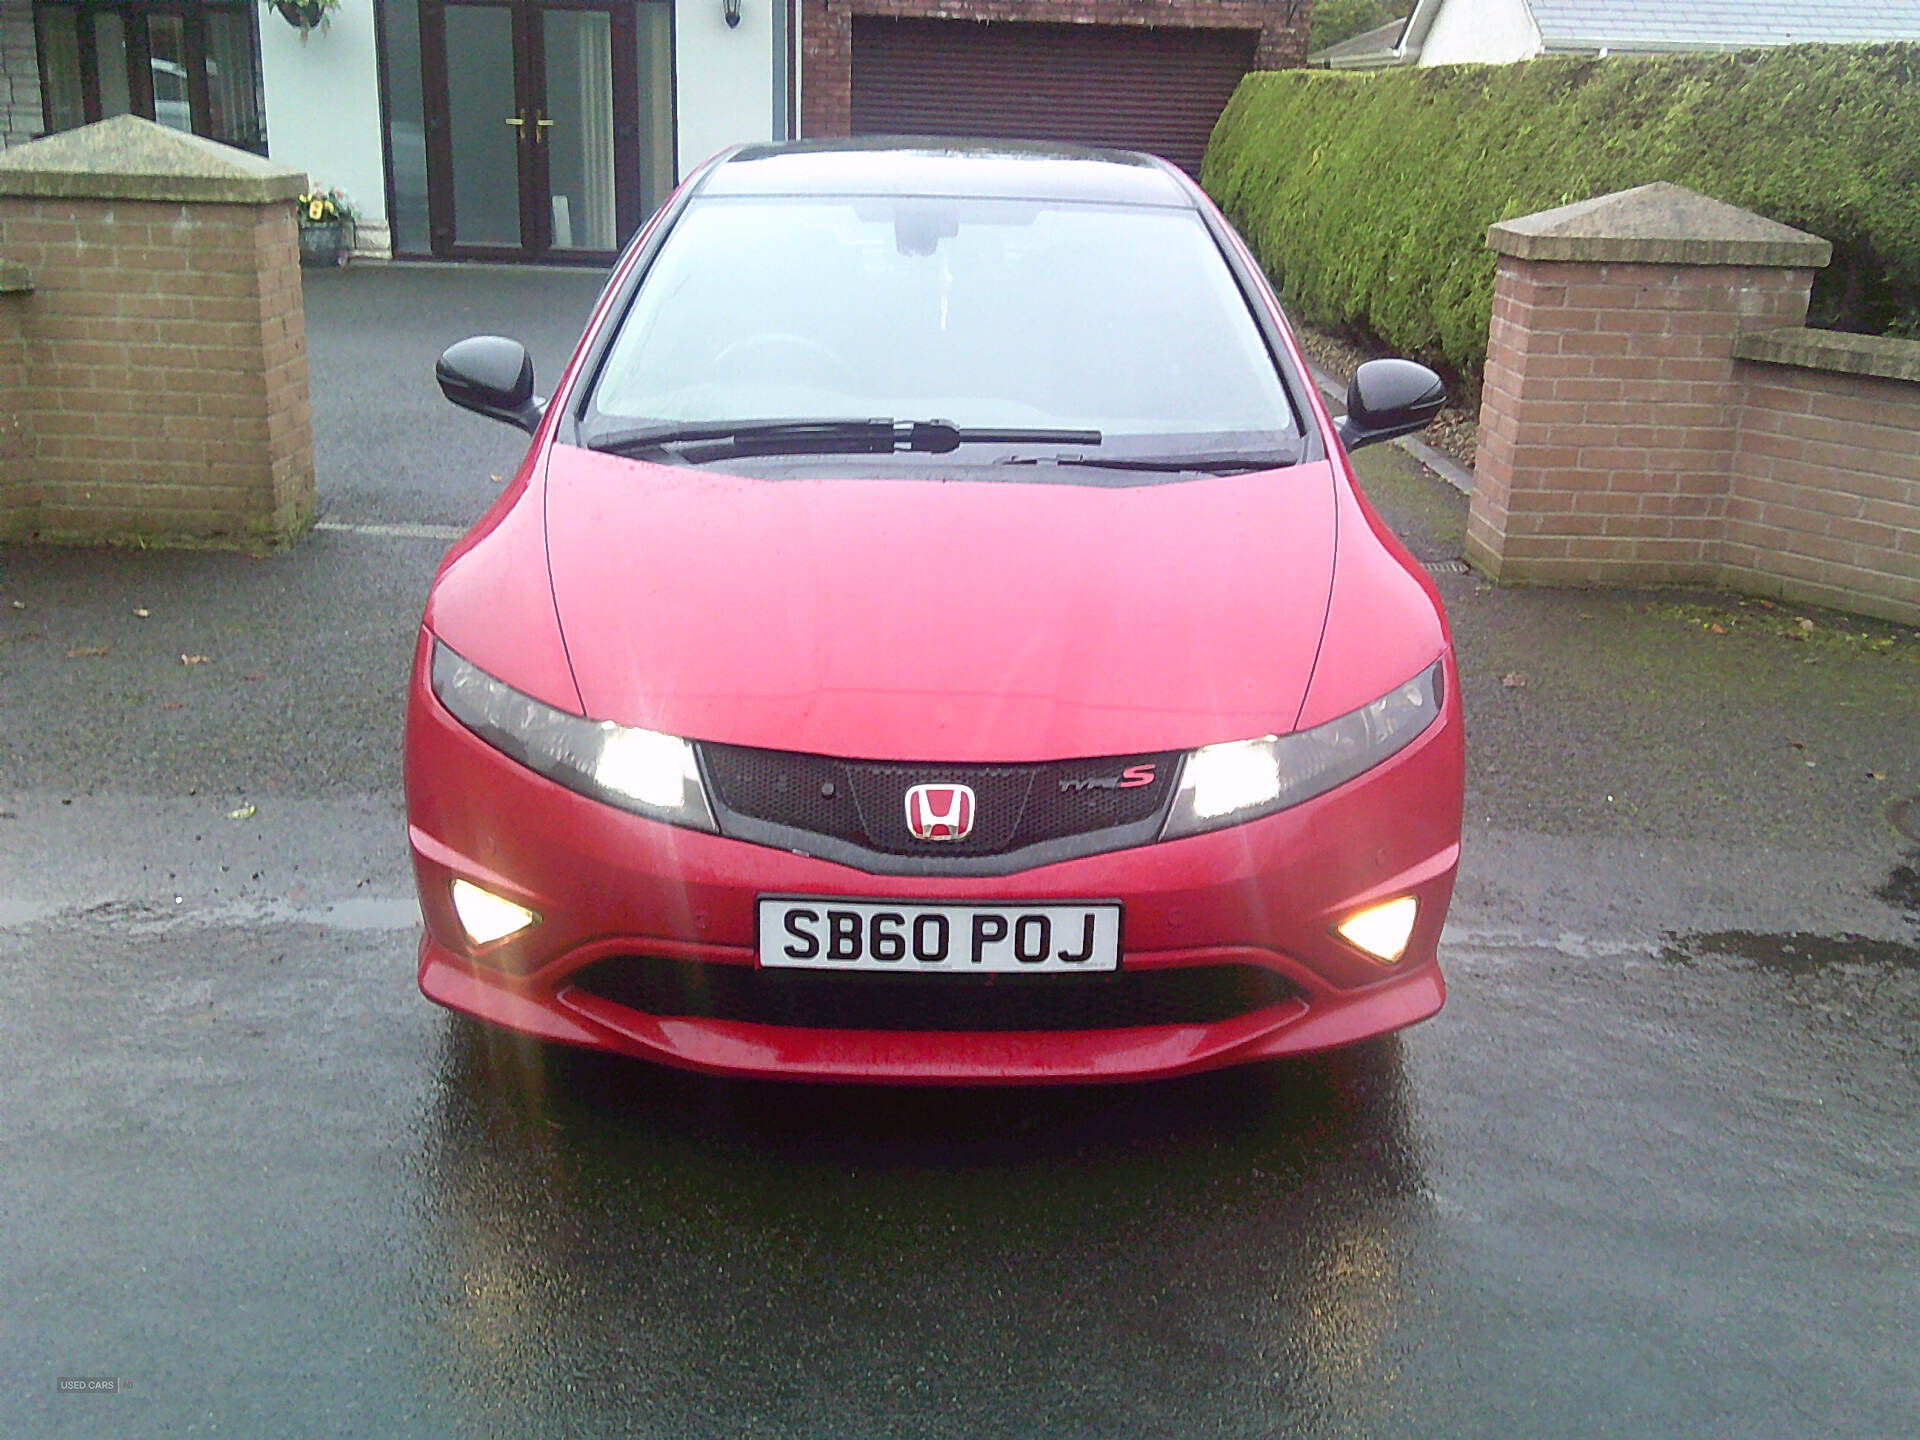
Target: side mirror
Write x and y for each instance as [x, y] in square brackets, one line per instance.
[492, 376]
[1389, 398]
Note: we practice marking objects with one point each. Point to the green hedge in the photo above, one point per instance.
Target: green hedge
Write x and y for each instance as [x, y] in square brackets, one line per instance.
[1368, 197]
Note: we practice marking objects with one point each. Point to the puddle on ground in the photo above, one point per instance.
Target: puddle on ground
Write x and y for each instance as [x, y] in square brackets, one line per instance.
[1796, 952]
[1902, 890]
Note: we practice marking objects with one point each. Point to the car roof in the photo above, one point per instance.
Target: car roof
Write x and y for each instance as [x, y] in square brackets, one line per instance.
[916, 165]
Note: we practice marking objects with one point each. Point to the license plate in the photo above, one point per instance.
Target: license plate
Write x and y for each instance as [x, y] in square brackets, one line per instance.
[802, 933]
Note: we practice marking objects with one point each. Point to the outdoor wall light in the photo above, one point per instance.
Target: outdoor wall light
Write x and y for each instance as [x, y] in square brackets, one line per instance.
[731, 9]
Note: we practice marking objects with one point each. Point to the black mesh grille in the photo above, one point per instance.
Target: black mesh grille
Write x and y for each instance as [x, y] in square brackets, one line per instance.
[863, 802]
[1198, 995]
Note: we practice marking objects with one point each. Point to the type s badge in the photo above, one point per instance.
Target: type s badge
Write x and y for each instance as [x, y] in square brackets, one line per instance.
[1131, 778]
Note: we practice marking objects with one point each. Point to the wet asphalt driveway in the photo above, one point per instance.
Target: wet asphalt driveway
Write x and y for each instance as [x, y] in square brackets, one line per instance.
[1653, 1171]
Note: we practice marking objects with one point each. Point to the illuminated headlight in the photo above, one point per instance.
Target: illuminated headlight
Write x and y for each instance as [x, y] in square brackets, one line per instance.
[1244, 779]
[639, 770]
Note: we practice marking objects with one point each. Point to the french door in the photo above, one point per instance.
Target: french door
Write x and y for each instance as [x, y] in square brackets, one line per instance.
[532, 119]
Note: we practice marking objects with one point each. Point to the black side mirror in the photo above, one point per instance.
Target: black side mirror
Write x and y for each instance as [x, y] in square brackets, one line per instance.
[1389, 398]
[492, 376]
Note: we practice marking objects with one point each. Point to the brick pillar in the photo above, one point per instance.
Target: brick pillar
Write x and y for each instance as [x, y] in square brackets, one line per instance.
[165, 389]
[1610, 404]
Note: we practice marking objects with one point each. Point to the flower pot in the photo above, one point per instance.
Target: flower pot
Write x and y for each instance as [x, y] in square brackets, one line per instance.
[326, 243]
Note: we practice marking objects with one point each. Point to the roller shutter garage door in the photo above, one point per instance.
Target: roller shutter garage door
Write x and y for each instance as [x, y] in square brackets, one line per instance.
[1140, 88]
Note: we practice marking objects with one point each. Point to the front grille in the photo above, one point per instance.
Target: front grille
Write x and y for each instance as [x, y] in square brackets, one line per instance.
[1198, 995]
[859, 806]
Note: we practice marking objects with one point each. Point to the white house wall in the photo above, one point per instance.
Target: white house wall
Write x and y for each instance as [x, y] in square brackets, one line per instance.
[723, 77]
[323, 109]
[1488, 32]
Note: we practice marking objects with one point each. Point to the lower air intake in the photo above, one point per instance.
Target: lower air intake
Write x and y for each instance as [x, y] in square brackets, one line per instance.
[1197, 995]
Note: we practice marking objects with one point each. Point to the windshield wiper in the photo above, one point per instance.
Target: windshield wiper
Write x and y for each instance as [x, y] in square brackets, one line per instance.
[726, 438]
[1222, 462]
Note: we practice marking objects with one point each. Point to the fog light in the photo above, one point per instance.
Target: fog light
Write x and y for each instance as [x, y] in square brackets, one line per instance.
[1382, 930]
[486, 917]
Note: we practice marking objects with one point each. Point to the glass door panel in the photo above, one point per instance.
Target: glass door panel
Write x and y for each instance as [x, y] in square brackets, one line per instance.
[110, 60]
[484, 123]
[233, 96]
[577, 128]
[410, 215]
[60, 76]
[544, 128]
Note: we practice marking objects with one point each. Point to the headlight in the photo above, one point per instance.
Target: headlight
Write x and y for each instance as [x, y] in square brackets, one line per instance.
[1226, 784]
[639, 770]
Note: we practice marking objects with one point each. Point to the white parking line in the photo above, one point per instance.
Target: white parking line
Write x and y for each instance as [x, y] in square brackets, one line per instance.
[392, 532]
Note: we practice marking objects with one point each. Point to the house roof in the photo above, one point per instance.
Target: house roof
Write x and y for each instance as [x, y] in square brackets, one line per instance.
[1378, 46]
[1720, 24]
[1589, 26]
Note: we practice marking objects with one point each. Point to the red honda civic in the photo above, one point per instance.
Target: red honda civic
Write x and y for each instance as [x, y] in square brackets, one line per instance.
[935, 636]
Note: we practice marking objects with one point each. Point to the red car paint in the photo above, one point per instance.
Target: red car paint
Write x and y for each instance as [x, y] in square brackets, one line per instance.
[900, 620]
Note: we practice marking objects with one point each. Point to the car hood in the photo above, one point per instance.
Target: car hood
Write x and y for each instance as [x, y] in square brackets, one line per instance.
[948, 620]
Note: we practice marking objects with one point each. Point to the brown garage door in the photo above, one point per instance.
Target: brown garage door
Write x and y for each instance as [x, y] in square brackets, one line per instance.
[1139, 88]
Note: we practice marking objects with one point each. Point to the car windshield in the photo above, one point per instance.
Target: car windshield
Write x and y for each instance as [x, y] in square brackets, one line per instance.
[988, 314]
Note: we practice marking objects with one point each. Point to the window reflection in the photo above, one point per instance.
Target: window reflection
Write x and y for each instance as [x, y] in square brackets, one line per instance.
[167, 51]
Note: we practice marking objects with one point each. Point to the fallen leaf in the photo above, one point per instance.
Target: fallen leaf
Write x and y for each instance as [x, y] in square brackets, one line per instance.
[1875, 775]
[172, 705]
[1796, 744]
[253, 677]
[142, 614]
[79, 651]
[19, 604]
[494, 478]
[1806, 626]
[1716, 629]
[195, 660]
[245, 812]
[1514, 682]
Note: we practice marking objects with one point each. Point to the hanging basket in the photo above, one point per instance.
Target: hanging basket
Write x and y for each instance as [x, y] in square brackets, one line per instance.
[303, 15]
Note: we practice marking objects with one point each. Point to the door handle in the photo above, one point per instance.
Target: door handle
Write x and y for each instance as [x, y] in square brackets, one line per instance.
[515, 121]
[541, 127]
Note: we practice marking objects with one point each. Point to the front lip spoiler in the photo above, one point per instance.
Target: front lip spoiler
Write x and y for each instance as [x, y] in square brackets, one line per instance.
[738, 1049]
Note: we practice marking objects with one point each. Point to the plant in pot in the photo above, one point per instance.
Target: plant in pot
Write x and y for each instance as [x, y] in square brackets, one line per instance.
[305, 16]
[326, 227]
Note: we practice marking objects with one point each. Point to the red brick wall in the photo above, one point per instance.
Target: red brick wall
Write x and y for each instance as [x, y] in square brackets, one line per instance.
[1622, 441]
[166, 385]
[826, 36]
[1607, 418]
[1825, 497]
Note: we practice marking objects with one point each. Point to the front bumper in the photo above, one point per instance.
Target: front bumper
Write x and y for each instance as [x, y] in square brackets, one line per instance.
[607, 884]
